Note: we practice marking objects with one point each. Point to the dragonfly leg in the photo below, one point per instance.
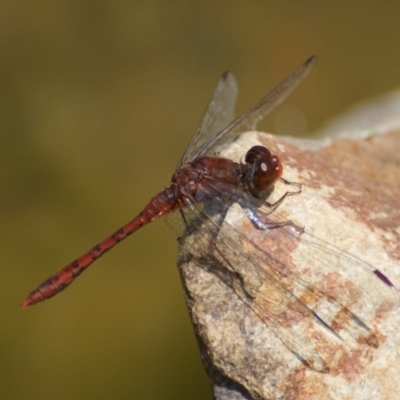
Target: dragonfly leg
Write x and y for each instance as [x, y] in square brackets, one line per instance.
[262, 224]
[275, 205]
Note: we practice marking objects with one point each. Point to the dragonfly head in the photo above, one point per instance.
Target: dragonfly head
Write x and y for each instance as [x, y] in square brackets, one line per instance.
[265, 170]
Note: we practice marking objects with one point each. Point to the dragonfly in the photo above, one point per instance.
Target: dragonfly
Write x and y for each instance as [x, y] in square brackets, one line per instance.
[203, 179]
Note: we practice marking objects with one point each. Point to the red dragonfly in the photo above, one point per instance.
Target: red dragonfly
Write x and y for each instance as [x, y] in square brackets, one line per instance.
[204, 179]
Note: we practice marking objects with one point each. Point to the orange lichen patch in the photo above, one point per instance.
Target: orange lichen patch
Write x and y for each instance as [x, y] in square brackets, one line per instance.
[371, 340]
[351, 364]
[301, 387]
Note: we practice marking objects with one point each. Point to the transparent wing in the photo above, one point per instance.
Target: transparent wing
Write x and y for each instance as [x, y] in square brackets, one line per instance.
[250, 118]
[218, 114]
[328, 286]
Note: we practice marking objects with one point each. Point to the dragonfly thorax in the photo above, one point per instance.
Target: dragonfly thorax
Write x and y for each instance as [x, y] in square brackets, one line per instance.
[207, 171]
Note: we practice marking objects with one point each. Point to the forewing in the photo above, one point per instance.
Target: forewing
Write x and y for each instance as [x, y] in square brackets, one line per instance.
[249, 119]
[218, 114]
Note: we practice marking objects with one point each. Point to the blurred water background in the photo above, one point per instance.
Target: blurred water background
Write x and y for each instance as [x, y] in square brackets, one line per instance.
[98, 100]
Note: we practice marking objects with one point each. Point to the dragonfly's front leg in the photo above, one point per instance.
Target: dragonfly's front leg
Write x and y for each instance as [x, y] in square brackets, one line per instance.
[273, 206]
[260, 223]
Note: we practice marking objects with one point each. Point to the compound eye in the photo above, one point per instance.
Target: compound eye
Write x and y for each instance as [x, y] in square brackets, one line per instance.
[267, 168]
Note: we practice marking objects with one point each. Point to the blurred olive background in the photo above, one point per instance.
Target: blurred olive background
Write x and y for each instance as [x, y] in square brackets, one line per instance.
[98, 101]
